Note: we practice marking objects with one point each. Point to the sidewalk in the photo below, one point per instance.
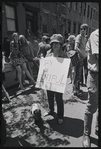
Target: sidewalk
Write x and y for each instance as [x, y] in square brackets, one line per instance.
[21, 127]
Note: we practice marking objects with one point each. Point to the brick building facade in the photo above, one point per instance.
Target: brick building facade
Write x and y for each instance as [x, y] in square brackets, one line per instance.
[48, 17]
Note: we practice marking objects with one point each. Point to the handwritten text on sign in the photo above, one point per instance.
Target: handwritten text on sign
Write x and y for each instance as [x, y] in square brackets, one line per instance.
[53, 73]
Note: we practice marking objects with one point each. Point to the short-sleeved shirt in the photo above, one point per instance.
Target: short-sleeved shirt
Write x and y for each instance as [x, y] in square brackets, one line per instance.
[82, 44]
[92, 49]
[43, 49]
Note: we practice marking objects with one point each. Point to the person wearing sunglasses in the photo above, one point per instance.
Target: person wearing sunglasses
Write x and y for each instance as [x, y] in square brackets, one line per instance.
[80, 44]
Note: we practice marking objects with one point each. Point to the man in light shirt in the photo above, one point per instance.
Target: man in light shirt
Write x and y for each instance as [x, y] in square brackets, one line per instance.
[80, 44]
[92, 49]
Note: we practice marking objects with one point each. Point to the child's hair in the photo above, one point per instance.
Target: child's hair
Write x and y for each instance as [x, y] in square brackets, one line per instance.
[71, 38]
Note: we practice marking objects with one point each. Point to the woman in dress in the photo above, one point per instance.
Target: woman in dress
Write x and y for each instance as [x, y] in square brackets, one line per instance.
[27, 51]
[18, 60]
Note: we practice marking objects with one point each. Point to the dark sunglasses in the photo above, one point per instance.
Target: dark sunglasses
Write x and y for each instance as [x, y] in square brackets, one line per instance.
[82, 29]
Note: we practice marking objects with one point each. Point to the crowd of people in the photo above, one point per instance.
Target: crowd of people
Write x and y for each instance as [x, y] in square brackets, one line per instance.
[84, 55]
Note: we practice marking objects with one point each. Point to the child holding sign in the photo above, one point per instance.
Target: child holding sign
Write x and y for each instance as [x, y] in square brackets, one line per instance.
[56, 42]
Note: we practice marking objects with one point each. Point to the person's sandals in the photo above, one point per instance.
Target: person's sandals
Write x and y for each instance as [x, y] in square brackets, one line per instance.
[60, 121]
[25, 82]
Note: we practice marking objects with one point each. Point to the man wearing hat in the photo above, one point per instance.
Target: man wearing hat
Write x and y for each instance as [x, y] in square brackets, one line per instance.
[80, 44]
[56, 42]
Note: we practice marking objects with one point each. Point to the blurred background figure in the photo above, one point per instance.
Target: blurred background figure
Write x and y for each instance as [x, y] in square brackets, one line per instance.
[27, 51]
[44, 46]
[92, 48]
[25, 47]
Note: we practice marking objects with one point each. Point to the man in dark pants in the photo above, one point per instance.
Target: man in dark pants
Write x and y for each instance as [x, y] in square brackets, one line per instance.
[92, 49]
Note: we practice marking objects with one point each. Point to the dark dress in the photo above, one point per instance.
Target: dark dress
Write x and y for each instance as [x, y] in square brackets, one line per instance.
[17, 58]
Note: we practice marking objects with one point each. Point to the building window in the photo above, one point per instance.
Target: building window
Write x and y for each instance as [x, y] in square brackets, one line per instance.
[88, 11]
[29, 20]
[91, 13]
[10, 17]
[54, 23]
[29, 25]
[69, 26]
[80, 7]
[74, 27]
[70, 5]
[79, 24]
[45, 22]
[75, 6]
[84, 8]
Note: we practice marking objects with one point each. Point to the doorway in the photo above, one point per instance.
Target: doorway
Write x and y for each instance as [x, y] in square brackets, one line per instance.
[32, 22]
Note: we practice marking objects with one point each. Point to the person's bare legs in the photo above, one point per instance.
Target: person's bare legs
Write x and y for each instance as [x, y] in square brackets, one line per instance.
[19, 71]
[29, 68]
[27, 73]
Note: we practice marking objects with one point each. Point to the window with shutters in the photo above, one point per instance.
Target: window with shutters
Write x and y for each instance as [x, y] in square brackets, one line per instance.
[75, 6]
[84, 8]
[10, 18]
[80, 7]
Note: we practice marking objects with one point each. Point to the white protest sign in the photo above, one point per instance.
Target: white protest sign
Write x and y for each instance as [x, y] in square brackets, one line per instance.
[53, 73]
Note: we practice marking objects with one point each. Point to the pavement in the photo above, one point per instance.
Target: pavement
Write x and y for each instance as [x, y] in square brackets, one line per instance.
[22, 130]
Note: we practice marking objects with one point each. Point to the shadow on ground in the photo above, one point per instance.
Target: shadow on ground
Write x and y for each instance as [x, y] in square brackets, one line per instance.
[16, 142]
[15, 91]
[80, 99]
[94, 141]
[71, 126]
[84, 96]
